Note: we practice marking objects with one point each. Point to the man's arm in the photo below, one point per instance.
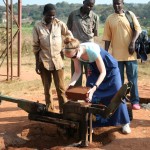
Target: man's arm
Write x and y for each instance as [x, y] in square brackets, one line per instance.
[132, 43]
[65, 31]
[96, 28]
[107, 44]
[136, 33]
[36, 49]
[107, 34]
[69, 22]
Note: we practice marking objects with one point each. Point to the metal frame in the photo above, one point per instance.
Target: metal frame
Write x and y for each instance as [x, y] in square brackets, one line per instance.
[10, 37]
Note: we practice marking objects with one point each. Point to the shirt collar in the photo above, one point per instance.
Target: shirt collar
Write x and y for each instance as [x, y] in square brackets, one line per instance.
[43, 21]
[122, 14]
[54, 21]
[79, 12]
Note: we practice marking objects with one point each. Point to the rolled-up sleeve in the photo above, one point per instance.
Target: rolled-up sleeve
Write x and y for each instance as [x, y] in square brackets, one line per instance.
[65, 31]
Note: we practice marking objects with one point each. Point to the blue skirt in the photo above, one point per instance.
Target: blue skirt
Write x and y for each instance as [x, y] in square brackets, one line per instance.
[107, 89]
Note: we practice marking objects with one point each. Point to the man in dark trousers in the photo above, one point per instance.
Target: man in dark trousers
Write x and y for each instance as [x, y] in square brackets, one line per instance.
[84, 25]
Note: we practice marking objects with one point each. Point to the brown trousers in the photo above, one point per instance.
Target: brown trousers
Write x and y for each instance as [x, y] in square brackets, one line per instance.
[58, 76]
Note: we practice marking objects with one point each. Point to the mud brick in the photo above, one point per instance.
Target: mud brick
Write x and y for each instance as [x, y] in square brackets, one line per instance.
[77, 93]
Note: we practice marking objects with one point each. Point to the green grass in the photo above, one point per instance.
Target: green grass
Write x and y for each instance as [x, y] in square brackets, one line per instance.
[27, 29]
[28, 62]
[101, 29]
[8, 87]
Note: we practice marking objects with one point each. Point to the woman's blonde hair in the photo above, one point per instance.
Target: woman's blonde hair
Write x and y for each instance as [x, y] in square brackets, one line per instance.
[71, 43]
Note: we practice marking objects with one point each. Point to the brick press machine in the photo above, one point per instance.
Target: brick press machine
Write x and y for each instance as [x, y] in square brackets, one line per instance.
[76, 115]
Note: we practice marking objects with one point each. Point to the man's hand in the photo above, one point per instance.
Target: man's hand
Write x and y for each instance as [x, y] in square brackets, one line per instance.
[38, 67]
[62, 55]
[131, 48]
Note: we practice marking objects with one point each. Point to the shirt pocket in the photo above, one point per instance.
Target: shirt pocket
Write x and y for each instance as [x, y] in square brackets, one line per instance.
[87, 26]
[56, 37]
[44, 40]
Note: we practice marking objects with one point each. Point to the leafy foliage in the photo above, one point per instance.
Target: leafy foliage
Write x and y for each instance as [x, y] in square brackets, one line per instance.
[142, 11]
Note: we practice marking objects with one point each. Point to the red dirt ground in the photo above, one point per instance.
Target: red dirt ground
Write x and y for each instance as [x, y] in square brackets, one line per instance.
[19, 133]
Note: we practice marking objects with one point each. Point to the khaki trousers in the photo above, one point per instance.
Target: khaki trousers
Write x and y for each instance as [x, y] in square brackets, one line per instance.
[58, 76]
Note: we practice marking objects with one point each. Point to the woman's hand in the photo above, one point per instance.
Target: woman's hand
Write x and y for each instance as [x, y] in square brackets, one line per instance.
[90, 94]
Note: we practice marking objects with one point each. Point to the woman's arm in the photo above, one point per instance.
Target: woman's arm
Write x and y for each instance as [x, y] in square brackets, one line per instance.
[102, 70]
[77, 72]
